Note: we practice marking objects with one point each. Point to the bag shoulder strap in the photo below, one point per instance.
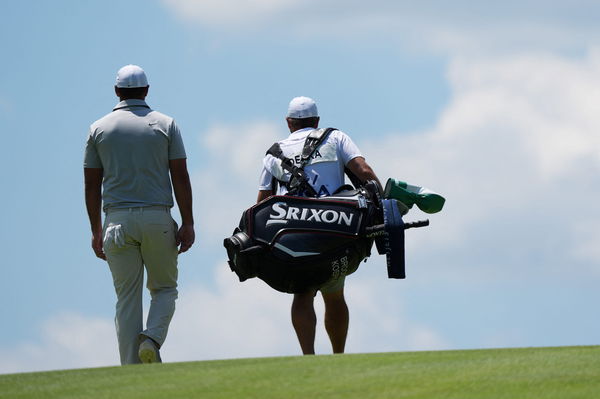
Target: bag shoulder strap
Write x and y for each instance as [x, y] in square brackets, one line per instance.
[312, 142]
[275, 150]
[299, 182]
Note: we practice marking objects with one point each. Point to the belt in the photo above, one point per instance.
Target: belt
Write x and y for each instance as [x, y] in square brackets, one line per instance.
[140, 209]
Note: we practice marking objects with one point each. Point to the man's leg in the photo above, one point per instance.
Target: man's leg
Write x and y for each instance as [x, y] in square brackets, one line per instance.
[159, 252]
[304, 320]
[336, 319]
[125, 262]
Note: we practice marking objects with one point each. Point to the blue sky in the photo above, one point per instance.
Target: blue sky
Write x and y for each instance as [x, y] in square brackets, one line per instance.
[496, 106]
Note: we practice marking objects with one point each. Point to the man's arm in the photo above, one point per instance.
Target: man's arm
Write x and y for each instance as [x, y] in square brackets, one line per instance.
[183, 196]
[93, 203]
[362, 170]
[263, 194]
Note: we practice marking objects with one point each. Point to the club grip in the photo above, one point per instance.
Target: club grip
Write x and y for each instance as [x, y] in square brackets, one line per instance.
[379, 229]
[418, 223]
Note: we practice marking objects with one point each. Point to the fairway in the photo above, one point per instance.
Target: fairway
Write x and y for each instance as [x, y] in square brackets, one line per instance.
[563, 372]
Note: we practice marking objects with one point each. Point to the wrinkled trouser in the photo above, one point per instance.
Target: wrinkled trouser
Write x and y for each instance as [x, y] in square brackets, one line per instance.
[134, 238]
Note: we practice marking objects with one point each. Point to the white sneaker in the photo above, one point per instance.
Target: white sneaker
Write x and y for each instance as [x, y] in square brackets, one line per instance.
[148, 352]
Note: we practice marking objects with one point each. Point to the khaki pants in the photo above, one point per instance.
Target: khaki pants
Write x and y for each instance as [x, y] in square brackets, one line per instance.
[134, 238]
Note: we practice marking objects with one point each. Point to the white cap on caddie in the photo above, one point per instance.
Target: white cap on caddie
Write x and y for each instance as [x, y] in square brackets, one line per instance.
[302, 107]
[131, 76]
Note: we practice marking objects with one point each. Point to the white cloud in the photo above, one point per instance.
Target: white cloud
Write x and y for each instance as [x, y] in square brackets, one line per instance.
[67, 340]
[229, 182]
[249, 319]
[228, 320]
[232, 13]
[518, 143]
[459, 27]
[241, 148]
[378, 320]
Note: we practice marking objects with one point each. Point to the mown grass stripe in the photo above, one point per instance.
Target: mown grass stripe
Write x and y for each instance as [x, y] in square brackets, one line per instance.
[561, 373]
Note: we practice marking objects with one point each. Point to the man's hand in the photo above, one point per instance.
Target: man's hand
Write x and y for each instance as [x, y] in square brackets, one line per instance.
[97, 245]
[183, 195]
[185, 237]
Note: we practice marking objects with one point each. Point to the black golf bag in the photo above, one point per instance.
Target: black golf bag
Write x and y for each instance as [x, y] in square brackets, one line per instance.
[296, 244]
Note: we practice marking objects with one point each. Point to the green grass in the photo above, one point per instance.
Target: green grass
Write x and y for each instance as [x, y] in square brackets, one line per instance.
[561, 373]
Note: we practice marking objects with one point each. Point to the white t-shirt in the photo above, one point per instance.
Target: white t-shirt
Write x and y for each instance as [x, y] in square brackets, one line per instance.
[325, 169]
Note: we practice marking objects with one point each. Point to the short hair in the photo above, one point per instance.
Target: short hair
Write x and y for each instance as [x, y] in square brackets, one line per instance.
[297, 124]
[131, 92]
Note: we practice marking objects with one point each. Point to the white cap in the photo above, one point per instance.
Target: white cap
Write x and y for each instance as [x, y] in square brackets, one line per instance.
[302, 107]
[131, 76]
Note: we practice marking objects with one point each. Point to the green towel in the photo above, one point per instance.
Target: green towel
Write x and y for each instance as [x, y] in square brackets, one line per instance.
[427, 200]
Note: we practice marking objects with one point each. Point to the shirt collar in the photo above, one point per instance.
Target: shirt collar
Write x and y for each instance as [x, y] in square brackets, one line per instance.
[303, 130]
[132, 102]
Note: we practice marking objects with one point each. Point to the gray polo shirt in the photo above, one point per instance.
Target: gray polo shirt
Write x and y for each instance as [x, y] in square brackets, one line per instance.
[133, 145]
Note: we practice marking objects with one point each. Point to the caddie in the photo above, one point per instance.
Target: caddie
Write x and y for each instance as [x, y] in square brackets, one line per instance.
[134, 159]
[325, 173]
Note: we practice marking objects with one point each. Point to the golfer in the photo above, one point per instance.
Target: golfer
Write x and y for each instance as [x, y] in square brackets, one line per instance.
[132, 156]
[326, 174]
